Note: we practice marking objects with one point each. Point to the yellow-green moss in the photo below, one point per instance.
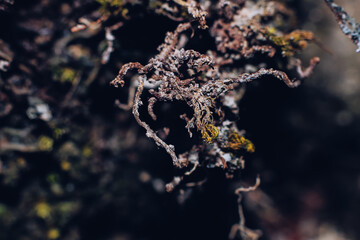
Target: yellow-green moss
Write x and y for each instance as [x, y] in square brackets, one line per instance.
[53, 233]
[65, 74]
[43, 210]
[290, 43]
[45, 143]
[112, 7]
[86, 152]
[58, 132]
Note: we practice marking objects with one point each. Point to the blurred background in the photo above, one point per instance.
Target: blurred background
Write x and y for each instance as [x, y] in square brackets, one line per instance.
[73, 166]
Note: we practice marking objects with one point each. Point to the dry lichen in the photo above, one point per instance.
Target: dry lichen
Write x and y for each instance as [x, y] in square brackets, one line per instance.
[347, 23]
[209, 132]
[201, 81]
[237, 142]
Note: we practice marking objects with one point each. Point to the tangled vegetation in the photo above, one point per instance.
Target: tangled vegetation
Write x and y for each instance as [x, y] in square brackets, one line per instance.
[242, 30]
[70, 151]
[208, 82]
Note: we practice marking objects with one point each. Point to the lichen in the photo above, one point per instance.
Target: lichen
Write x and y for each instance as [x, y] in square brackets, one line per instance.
[200, 80]
[347, 23]
[209, 132]
[237, 142]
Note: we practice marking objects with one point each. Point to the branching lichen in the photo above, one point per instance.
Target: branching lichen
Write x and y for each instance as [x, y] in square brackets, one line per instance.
[347, 23]
[177, 74]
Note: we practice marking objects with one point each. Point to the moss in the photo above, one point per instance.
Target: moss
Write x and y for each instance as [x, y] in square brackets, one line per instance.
[65, 74]
[3, 210]
[45, 143]
[111, 6]
[112, 3]
[66, 208]
[290, 43]
[21, 162]
[58, 132]
[86, 152]
[53, 233]
[52, 178]
[153, 4]
[43, 210]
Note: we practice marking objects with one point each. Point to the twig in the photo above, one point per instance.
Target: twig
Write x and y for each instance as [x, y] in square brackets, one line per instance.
[347, 23]
[245, 233]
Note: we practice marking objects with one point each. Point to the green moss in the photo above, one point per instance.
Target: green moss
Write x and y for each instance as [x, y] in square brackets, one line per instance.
[153, 4]
[111, 6]
[3, 210]
[58, 132]
[290, 43]
[112, 3]
[52, 178]
[65, 74]
[86, 152]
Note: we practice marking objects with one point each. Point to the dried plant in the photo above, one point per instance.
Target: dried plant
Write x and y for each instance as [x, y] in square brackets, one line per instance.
[59, 148]
[177, 74]
[244, 232]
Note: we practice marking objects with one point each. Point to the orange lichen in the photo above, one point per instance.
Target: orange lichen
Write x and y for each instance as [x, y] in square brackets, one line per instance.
[237, 142]
[209, 133]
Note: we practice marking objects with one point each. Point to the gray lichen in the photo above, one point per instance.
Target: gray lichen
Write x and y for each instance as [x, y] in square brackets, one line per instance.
[347, 23]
